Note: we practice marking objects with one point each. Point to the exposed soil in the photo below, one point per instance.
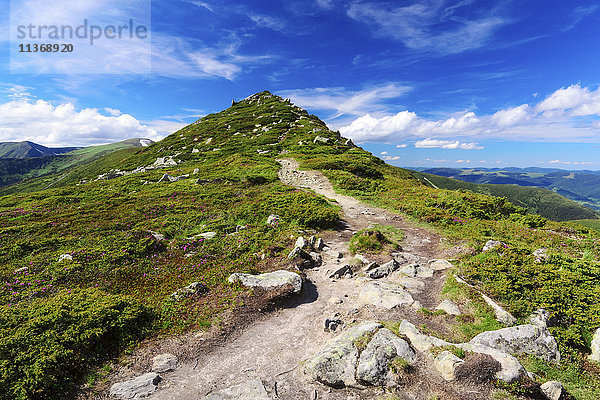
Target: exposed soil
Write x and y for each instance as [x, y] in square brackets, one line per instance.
[271, 346]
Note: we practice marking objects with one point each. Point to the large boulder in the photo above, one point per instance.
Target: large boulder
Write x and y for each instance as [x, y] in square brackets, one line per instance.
[413, 285]
[418, 340]
[553, 390]
[416, 271]
[446, 364]
[270, 281]
[384, 270]
[439, 265]
[250, 390]
[522, 339]
[385, 295]
[142, 386]
[448, 307]
[374, 362]
[335, 364]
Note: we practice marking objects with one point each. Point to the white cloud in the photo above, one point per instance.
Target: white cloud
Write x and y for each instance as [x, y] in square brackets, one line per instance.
[568, 114]
[63, 125]
[569, 162]
[384, 153]
[578, 14]
[267, 21]
[401, 146]
[390, 158]
[463, 161]
[202, 4]
[417, 25]
[446, 144]
[347, 102]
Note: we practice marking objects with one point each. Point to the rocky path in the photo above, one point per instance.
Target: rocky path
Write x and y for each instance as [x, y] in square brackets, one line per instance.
[269, 352]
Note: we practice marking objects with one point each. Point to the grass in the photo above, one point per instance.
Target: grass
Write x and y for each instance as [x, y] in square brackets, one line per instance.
[376, 239]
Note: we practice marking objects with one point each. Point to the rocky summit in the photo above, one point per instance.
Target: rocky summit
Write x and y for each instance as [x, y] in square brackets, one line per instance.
[258, 254]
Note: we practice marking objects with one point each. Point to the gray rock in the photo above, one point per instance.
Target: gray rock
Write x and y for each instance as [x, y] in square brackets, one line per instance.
[321, 139]
[446, 364]
[417, 271]
[164, 363]
[385, 295]
[269, 281]
[301, 243]
[542, 318]
[595, 346]
[384, 270]
[346, 270]
[273, 219]
[193, 289]
[142, 386]
[418, 340]
[362, 258]
[65, 257]
[413, 285]
[522, 339]
[332, 324]
[449, 307]
[334, 254]
[250, 390]
[207, 235]
[316, 259]
[371, 266]
[439, 265]
[374, 362]
[553, 390]
[541, 254]
[335, 364]
[492, 244]
[157, 236]
[319, 244]
[502, 315]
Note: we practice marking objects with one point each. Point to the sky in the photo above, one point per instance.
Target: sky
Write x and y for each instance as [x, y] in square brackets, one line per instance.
[435, 83]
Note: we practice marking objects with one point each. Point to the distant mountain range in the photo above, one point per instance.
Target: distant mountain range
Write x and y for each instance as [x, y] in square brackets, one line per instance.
[21, 162]
[29, 149]
[580, 186]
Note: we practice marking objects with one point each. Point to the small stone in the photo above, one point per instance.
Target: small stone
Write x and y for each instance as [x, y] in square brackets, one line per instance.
[164, 363]
[193, 289]
[449, 307]
[340, 272]
[65, 257]
[301, 243]
[446, 364]
[142, 386]
[335, 301]
[492, 244]
[553, 390]
[319, 244]
[332, 324]
[439, 265]
[272, 219]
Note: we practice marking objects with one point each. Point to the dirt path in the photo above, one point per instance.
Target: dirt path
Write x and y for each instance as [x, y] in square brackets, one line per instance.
[271, 349]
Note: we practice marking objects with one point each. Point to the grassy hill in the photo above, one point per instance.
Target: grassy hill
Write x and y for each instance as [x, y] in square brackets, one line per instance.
[60, 170]
[87, 269]
[582, 187]
[544, 202]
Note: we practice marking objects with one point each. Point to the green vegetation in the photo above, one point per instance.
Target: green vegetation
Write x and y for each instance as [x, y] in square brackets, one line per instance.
[588, 223]
[111, 229]
[374, 240]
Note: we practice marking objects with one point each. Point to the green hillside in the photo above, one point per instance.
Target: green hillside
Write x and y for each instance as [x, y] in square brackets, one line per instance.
[59, 170]
[88, 268]
[29, 149]
[539, 201]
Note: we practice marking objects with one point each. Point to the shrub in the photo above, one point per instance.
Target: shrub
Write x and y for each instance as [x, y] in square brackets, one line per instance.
[45, 347]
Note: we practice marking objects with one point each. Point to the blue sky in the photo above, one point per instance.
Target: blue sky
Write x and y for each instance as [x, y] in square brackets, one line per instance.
[420, 83]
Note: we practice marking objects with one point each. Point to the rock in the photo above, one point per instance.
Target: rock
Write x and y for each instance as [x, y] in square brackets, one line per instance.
[319, 244]
[417, 271]
[413, 285]
[335, 364]
[541, 254]
[270, 281]
[65, 257]
[142, 386]
[273, 219]
[542, 318]
[439, 265]
[362, 258]
[316, 259]
[492, 244]
[384, 270]
[522, 339]
[371, 266]
[332, 324]
[164, 363]
[206, 235]
[374, 362]
[321, 139]
[304, 259]
[595, 346]
[166, 178]
[446, 363]
[301, 243]
[502, 315]
[22, 269]
[334, 254]
[340, 272]
[418, 340]
[385, 295]
[553, 390]
[157, 236]
[335, 301]
[449, 307]
[250, 390]
[193, 289]
[511, 369]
